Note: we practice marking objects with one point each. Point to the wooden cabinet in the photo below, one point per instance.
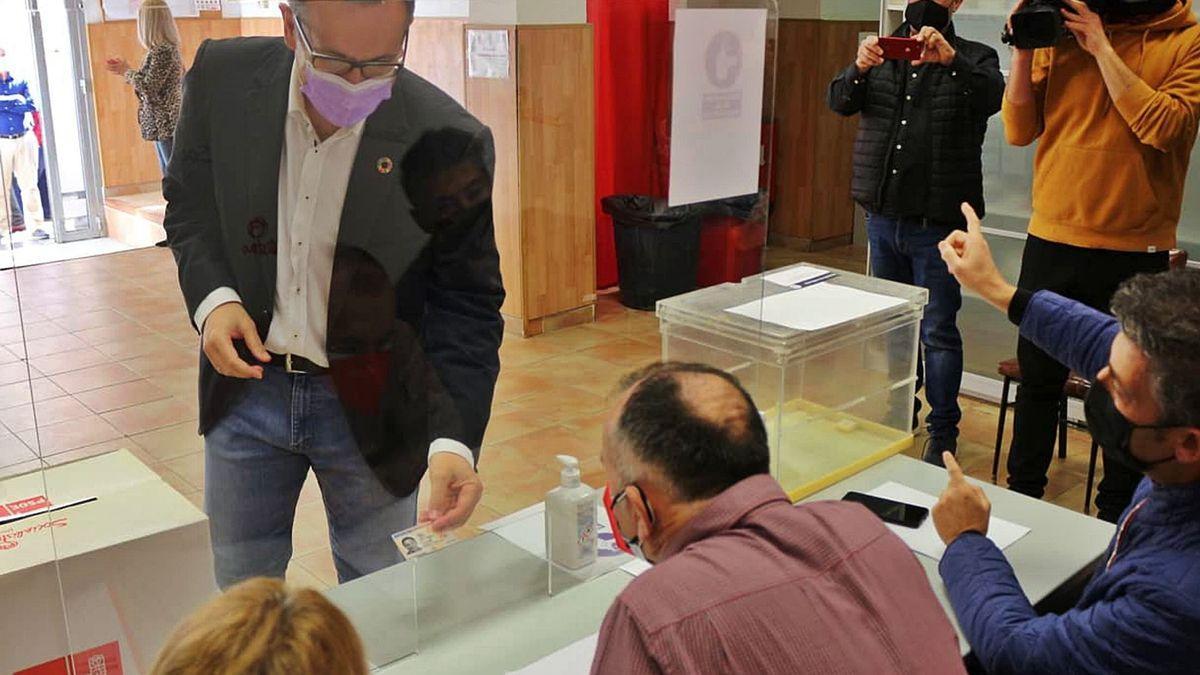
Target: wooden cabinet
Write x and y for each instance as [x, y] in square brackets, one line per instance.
[543, 118]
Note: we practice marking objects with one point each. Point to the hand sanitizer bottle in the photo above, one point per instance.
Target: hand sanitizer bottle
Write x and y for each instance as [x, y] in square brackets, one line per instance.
[571, 519]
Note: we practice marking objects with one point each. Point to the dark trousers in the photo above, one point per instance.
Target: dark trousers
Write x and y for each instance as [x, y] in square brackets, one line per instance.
[906, 250]
[1090, 276]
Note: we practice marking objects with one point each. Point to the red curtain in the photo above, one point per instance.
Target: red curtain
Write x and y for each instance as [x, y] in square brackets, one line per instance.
[632, 41]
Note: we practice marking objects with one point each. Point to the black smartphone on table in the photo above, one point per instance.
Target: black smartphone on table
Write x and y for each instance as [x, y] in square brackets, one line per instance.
[897, 513]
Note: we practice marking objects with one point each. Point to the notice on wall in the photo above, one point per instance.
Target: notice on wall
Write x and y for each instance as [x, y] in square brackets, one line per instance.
[487, 54]
[208, 5]
[716, 116]
[119, 10]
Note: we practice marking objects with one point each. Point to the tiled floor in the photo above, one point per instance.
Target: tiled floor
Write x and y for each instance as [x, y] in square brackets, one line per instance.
[112, 363]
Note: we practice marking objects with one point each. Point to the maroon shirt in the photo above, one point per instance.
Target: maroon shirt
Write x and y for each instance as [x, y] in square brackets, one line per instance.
[756, 585]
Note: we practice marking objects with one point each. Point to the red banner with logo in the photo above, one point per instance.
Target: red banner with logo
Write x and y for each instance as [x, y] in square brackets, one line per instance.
[102, 660]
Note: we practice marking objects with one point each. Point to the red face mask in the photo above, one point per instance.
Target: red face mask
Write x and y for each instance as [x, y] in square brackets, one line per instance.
[618, 538]
[631, 546]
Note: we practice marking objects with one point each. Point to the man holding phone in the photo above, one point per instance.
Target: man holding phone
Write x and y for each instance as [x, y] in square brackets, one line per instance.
[916, 158]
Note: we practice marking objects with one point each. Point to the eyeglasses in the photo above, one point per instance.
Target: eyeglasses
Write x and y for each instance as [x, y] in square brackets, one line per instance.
[336, 65]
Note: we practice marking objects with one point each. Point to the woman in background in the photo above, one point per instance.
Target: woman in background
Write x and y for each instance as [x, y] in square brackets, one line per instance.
[159, 82]
[265, 627]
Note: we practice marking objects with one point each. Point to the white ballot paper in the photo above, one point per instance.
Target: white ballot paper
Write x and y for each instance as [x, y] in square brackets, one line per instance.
[798, 276]
[925, 539]
[572, 659]
[816, 307]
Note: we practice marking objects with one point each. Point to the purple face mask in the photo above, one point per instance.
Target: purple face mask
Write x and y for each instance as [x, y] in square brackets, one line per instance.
[341, 102]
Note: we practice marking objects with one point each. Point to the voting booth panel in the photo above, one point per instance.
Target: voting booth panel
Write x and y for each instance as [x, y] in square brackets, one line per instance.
[830, 359]
[102, 564]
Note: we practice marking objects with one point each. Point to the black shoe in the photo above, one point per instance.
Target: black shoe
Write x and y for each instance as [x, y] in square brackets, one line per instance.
[934, 447]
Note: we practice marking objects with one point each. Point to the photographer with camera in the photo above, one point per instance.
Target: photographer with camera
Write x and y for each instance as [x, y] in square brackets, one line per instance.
[916, 159]
[1114, 108]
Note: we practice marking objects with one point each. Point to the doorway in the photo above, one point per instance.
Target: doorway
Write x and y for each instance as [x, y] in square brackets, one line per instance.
[45, 42]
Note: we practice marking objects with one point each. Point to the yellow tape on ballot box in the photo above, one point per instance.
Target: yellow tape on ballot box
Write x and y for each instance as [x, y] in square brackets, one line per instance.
[819, 446]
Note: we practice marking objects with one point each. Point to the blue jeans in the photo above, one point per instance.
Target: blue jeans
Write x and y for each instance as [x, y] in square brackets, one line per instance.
[256, 460]
[905, 250]
[163, 149]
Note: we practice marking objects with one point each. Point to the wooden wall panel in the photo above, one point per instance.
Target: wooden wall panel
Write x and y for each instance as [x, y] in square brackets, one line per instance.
[435, 52]
[556, 120]
[813, 158]
[125, 158]
[263, 26]
[494, 102]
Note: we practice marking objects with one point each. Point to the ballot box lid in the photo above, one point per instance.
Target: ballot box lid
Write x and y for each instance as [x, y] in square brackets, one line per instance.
[706, 311]
[117, 499]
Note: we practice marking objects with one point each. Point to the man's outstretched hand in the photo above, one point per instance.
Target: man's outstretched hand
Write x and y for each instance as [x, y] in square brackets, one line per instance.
[454, 491]
[962, 507]
[969, 258]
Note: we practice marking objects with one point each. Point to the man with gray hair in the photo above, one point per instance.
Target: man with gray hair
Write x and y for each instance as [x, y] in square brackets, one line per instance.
[1140, 613]
[745, 582]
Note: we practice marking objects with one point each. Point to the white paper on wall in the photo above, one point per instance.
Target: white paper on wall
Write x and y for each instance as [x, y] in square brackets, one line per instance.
[487, 54]
[118, 10]
[717, 97]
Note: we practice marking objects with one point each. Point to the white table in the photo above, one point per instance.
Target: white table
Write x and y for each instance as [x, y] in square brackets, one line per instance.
[1061, 544]
[485, 608]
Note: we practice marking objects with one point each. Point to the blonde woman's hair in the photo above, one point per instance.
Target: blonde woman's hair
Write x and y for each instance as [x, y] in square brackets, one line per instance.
[156, 25]
[265, 627]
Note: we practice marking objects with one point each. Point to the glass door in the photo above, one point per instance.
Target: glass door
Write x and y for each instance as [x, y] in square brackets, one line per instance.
[60, 36]
[54, 43]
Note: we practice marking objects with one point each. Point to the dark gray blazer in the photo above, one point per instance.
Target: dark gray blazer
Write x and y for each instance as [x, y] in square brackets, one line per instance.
[222, 206]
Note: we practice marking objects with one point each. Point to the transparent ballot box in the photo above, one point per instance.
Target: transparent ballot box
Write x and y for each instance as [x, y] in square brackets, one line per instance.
[835, 398]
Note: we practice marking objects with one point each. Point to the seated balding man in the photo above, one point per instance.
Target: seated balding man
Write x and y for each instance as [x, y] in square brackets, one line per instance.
[745, 582]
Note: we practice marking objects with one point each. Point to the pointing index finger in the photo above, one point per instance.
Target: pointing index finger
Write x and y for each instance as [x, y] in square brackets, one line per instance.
[974, 226]
[953, 469]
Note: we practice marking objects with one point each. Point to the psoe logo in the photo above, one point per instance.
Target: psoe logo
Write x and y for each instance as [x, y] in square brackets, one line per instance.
[723, 59]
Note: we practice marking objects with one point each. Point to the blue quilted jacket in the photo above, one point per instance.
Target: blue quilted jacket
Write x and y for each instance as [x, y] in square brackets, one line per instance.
[1141, 611]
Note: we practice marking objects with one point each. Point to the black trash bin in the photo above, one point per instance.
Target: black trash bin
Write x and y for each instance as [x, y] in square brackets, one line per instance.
[658, 247]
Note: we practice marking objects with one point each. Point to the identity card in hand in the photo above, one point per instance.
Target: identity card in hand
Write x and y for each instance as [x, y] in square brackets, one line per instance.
[421, 540]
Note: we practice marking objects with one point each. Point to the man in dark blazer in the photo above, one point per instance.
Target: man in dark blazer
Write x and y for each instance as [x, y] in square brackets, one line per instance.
[286, 194]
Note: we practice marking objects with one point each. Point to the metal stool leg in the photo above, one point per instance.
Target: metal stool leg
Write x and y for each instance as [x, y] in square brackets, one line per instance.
[1091, 479]
[1062, 428]
[1000, 429]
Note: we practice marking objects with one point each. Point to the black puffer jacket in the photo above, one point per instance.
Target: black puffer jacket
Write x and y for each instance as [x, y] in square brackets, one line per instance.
[920, 139]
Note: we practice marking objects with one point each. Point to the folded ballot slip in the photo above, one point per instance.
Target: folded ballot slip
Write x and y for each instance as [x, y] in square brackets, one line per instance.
[421, 540]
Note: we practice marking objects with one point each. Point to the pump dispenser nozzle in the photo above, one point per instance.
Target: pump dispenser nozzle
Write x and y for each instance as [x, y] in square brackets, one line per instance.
[570, 471]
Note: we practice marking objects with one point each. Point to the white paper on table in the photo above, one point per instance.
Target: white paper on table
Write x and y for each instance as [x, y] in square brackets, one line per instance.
[816, 307]
[487, 54]
[925, 539]
[796, 275]
[636, 567]
[574, 658]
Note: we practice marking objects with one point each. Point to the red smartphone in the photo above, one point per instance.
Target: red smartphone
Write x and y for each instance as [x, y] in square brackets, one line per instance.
[900, 48]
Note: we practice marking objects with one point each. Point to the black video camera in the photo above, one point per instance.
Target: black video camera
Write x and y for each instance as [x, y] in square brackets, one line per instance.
[1040, 23]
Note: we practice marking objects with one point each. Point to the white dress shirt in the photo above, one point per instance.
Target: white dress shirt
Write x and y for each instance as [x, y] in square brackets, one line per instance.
[313, 178]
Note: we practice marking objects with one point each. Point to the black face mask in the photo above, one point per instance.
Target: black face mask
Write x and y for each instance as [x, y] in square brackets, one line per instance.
[1114, 432]
[924, 13]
